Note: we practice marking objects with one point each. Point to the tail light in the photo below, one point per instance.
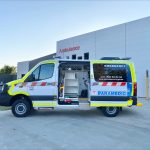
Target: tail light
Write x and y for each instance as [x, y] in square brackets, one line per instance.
[134, 89]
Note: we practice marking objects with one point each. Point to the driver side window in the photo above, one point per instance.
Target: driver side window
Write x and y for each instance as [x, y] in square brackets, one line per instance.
[44, 71]
[35, 74]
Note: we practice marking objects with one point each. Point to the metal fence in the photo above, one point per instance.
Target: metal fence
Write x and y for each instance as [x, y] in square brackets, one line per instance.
[4, 78]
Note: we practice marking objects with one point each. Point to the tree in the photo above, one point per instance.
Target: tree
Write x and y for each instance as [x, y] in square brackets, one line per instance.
[8, 70]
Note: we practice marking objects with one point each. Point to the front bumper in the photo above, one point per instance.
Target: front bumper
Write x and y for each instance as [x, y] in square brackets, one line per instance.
[5, 99]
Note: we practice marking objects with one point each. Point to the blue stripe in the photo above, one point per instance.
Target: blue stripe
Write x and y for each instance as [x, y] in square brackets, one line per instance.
[129, 88]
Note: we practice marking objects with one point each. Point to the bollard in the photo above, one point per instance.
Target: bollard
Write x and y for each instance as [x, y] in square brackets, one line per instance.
[147, 84]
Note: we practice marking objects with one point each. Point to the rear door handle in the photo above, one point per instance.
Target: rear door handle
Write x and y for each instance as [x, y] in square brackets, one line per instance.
[31, 88]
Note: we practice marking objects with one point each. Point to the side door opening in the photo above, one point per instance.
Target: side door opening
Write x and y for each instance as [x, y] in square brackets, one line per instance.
[73, 82]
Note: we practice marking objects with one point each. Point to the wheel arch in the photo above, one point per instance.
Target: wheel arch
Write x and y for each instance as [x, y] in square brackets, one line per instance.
[18, 96]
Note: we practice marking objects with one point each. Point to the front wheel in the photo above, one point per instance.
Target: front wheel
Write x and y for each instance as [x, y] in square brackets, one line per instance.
[21, 108]
[110, 111]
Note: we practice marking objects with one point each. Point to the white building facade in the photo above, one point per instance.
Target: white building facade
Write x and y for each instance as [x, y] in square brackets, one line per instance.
[130, 39]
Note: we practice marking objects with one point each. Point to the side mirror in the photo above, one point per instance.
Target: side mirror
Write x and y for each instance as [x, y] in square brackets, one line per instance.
[1, 83]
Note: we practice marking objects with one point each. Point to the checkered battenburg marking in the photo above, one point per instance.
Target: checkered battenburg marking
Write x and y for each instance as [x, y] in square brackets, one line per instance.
[109, 83]
[38, 84]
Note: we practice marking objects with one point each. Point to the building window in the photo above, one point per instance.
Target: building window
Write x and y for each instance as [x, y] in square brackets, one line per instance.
[80, 57]
[86, 56]
[67, 57]
[73, 56]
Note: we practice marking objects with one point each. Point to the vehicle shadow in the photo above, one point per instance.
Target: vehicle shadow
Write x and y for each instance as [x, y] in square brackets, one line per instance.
[64, 112]
[80, 113]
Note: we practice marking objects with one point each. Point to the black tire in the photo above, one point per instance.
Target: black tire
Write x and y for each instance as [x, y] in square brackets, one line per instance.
[110, 111]
[21, 108]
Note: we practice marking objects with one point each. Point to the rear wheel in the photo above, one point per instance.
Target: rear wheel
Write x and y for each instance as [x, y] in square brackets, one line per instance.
[21, 108]
[110, 111]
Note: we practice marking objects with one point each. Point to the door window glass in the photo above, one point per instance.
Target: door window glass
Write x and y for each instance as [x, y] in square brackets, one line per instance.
[111, 72]
[42, 72]
[35, 74]
[46, 71]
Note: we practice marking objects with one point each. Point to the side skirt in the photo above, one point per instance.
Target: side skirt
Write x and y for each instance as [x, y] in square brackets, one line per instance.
[111, 103]
[45, 104]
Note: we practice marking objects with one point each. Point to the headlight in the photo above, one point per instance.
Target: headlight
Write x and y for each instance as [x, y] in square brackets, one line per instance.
[4, 88]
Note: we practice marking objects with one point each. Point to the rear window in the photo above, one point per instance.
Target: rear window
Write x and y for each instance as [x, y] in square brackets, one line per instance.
[112, 73]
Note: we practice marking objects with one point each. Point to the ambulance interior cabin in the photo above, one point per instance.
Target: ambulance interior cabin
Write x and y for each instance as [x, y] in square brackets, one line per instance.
[74, 81]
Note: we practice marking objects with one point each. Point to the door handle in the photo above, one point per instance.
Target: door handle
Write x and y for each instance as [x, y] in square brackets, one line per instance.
[31, 88]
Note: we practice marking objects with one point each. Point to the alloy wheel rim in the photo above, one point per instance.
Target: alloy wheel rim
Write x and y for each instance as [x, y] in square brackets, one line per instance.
[20, 108]
[111, 110]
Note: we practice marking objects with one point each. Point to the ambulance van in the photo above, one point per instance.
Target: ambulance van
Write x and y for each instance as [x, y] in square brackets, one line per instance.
[105, 84]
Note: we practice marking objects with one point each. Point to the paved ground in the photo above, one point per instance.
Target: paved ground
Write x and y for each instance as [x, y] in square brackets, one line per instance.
[77, 130]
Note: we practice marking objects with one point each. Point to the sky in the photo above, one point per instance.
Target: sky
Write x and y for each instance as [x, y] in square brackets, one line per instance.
[30, 29]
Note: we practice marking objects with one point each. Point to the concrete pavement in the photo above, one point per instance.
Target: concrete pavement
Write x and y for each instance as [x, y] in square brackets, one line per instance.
[66, 129]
